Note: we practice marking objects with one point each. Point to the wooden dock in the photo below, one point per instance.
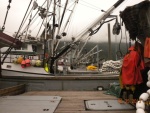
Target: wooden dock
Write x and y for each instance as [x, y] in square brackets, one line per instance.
[73, 101]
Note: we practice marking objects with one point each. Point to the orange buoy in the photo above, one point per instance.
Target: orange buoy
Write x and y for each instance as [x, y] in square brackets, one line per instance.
[27, 61]
[19, 60]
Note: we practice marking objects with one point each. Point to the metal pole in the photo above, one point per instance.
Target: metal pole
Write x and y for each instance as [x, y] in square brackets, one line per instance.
[97, 57]
[109, 43]
[116, 47]
[65, 67]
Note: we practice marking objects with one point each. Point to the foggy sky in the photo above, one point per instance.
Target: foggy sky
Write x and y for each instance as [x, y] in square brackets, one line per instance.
[87, 12]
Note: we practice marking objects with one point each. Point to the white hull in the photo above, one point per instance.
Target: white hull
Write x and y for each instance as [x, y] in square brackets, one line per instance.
[11, 69]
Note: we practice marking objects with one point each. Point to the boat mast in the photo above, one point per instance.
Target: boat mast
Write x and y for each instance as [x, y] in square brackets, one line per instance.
[66, 24]
[101, 19]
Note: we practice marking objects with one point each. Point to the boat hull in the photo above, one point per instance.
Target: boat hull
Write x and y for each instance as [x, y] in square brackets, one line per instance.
[11, 69]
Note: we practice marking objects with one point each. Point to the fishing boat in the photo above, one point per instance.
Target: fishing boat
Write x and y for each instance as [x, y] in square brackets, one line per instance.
[40, 64]
[50, 40]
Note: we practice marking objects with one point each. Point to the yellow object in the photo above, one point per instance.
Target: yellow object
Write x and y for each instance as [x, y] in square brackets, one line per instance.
[38, 63]
[132, 88]
[91, 67]
[19, 60]
[120, 81]
[127, 87]
[46, 67]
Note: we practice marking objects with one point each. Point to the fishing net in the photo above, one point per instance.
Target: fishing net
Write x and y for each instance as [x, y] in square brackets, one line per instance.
[114, 89]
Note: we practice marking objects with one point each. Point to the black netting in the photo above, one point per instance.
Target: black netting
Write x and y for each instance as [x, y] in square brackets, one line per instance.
[137, 20]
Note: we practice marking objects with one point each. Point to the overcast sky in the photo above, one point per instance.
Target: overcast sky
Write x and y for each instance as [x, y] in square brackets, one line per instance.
[87, 12]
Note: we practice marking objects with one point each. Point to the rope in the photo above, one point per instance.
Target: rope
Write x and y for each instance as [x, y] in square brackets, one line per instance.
[96, 30]
[8, 7]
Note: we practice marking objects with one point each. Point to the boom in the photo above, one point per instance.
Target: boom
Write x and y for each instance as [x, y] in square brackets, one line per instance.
[101, 19]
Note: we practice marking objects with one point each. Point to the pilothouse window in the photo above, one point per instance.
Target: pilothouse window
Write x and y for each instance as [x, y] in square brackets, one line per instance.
[34, 48]
[24, 47]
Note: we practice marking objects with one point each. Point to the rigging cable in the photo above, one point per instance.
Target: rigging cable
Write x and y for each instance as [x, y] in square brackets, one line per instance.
[63, 12]
[36, 24]
[70, 16]
[67, 24]
[68, 20]
[39, 29]
[94, 8]
[96, 30]
[63, 33]
[90, 4]
[33, 18]
[27, 16]
[11, 46]
[8, 7]
[28, 27]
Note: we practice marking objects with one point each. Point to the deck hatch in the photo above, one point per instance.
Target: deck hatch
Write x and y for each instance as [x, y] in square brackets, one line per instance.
[106, 105]
[29, 104]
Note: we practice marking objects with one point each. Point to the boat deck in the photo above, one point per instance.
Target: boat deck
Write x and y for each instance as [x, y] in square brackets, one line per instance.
[73, 101]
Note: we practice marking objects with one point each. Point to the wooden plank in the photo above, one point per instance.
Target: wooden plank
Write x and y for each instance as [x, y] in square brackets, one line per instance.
[73, 101]
[13, 90]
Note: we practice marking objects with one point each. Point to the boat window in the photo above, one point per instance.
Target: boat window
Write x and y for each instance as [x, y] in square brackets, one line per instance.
[24, 47]
[34, 48]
